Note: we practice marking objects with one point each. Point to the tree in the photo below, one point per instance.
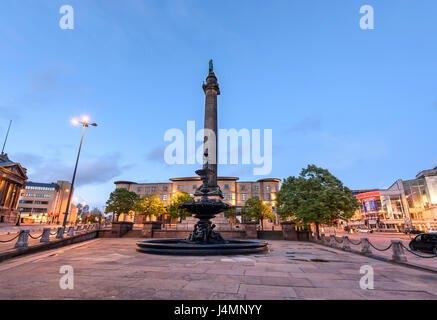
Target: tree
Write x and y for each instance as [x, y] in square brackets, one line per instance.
[150, 206]
[95, 215]
[316, 196]
[231, 214]
[173, 209]
[255, 209]
[121, 201]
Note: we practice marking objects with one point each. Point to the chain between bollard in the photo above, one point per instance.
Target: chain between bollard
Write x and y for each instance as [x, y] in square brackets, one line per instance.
[338, 241]
[355, 243]
[418, 255]
[382, 250]
[36, 237]
[6, 241]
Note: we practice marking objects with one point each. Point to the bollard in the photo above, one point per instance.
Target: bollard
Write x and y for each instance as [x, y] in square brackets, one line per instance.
[322, 236]
[45, 235]
[79, 229]
[23, 239]
[60, 234]
[398, 251]
[70, 231]
[346, 244]
[365, 246]
[332, 241]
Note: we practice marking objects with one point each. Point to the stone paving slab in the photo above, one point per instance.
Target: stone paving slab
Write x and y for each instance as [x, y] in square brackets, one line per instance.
[113, 269]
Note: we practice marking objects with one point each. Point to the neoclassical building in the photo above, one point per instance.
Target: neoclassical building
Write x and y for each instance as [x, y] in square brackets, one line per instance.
[236, 192]
[12, 178]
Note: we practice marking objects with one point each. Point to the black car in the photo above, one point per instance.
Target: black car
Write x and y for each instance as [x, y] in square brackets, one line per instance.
[425, 242]
[413, 231]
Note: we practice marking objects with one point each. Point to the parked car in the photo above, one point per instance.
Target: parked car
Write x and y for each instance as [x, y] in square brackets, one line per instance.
[413, 231]
[364, 229]
[425, 242]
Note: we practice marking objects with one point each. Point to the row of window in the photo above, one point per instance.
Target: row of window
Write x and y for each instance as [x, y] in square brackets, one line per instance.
[35, 195]
[194, 187]
[243, 196]
[33, 202]
[39, 188]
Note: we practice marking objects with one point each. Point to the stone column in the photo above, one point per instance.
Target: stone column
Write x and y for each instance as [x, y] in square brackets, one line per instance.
[398, 251]
[346, 244]
[212, 90]
[250, 229]
[365, 246]
[147, 231]
[45, 235]
[23, 239]
[289, 231]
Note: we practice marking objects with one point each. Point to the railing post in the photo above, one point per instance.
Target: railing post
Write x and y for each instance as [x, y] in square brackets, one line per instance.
[346, 244]
[45, 235]
[23, 239]
[70, 231]
[79, 229]
[398, 251]
[365, 246]
[60, 234]
[323, 238]
[332, 241]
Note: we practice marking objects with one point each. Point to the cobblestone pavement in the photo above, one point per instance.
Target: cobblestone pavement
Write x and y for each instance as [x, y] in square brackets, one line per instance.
[113, 269]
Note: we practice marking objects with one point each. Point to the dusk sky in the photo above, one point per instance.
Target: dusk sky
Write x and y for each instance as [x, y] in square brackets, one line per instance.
[361, 103]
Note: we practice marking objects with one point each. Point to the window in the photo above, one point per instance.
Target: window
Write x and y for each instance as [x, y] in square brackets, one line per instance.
[165, 188]
[256, 194]
[268, 196]
[243, 196]
[180, 188]
[268, 188]
[153, 189]
[164, 197]
[226, 186]
[276, 188]
[139, 189]
[229, 196]
[194, 187]
[256, 188]
[147, 189]
[243, 187]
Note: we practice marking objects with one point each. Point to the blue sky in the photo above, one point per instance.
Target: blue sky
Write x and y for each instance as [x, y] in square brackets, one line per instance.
[361, 103]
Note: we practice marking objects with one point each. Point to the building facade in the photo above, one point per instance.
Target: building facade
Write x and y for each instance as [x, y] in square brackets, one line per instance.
[407, 203]
[12, 178]
[45, 203]
[235, 192]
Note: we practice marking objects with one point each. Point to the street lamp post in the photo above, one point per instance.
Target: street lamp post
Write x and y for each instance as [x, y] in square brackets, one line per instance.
[85, 123]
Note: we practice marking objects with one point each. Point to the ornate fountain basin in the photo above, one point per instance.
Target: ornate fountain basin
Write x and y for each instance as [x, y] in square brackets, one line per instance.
[182, 247]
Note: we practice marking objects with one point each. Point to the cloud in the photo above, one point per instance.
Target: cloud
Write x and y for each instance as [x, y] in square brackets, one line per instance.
[156, 154]
[91, 171]
[307, 125]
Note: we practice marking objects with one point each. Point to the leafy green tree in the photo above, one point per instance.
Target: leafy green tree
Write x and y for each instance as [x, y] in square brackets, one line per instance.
[173, 209]
[95, 215]
[231, 214]
[150, 206]
[255, 209]
[121, 201]
[316, 196]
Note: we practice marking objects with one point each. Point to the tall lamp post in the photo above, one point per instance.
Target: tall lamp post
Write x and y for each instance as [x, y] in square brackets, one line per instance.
[85, 123]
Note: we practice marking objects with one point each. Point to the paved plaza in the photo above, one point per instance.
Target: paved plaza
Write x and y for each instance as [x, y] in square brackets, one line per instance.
[113, 269]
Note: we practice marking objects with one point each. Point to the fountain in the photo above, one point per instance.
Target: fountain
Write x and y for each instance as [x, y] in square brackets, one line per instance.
[204, 240]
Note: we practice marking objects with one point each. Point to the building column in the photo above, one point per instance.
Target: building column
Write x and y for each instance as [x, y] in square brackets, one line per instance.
[6, 194]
